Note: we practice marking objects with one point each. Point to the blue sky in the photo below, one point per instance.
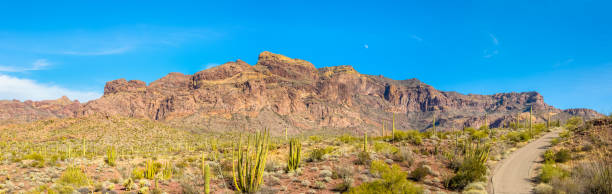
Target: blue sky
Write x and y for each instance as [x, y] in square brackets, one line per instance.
[562, 49]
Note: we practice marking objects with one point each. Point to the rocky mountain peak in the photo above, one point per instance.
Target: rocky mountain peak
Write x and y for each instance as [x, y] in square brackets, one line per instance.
[122, 85]
[286, 67]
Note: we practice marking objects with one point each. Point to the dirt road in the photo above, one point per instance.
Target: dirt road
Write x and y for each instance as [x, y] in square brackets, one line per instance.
[514, 174]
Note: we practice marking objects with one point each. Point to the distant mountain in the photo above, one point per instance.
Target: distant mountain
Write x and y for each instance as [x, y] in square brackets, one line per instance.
[279, 92]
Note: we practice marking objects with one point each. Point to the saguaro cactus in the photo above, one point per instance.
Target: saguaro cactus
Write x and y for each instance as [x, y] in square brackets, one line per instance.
[295, 150]
[382, 130]
[393, 132]
[434, 124]
[486, 123]
[206, 175]
[530, 122]
[365, 142]
[518, 118]
[248, 165]
[548, 120]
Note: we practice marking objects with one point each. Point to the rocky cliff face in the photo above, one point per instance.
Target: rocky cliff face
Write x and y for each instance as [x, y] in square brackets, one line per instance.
[279, 92]
[16, 111]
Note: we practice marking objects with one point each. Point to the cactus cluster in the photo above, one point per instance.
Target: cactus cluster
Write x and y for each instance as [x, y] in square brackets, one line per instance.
[249, 162]
[111, 156]
[295, 150]
[477, 153]
[150, 170]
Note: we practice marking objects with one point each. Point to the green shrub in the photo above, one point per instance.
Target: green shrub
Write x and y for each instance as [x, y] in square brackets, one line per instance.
[412, 136]
[138, 173]
[346, 138]
[343, 172]
[543, 188]
[393, 180]
[419, 173]
[129, 185]
[74, 176]
[476, 186]
[565, 134]
[469, 130]
[525, 136]
[574, 123]
[550, 171]
[376, 167]
[364, 158]
[472, 168]
[549, 156]
[563, 156]
[595, 176]
[39, 160]
[318, 153]
[385, 148]
[479, 134]
[34, 156]
[344, 186]
[315, 138]
[403, 155]
[538, 128]
[555, 141]
[61, 188]
[513, 136]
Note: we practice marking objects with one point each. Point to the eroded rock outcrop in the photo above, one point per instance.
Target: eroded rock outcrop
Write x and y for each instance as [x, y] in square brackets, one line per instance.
[280, 92]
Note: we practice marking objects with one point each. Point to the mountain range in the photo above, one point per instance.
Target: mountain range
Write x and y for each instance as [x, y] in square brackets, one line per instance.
[281, 93]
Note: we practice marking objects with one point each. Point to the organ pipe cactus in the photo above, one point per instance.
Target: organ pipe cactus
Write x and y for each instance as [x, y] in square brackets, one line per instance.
[295, 150]
[111, 156]
[393, 132]
[249, 162]
[477, 152]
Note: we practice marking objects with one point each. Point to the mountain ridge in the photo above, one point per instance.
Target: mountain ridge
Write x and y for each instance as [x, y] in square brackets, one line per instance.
[279, 92]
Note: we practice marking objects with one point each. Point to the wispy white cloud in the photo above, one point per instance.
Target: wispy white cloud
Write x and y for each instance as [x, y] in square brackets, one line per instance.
[25, 89]
[112, 41]
[211, 65]
[564, 62]
[111, 51]
[494, 39]
[491, 52]
[39, 64]
[417, 38]
[366, 46]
